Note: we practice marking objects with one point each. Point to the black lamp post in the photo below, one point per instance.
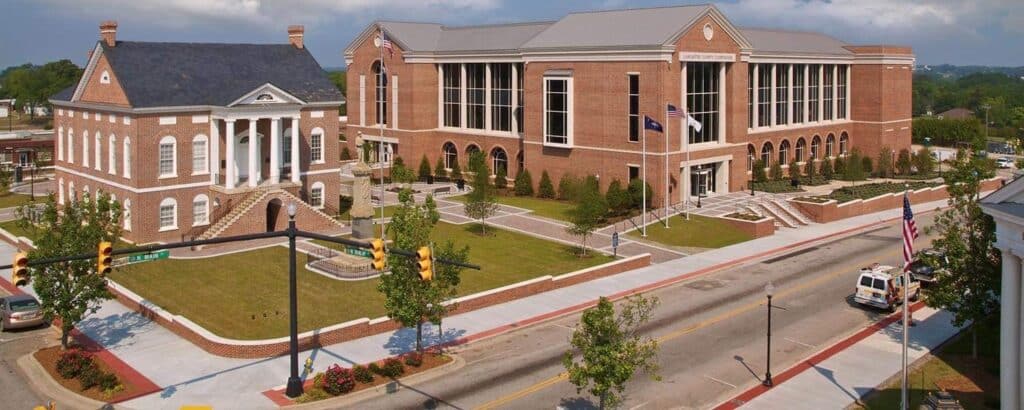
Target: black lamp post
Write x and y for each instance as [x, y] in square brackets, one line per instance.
[294, 387]
[751, 186]
[769, 289]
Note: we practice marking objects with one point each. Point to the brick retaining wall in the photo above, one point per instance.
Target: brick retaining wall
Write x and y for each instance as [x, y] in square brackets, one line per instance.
[757, 229]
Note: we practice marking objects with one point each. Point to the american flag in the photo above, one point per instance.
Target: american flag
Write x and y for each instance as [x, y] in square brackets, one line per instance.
[674, 112]
[909, 233]
[387, 44]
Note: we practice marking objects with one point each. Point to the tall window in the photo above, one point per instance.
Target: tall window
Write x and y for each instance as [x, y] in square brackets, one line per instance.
[380, 104]
[112, 155]
[98, 154]
[499, 161]
[501, 97]
[168, 214]
[200, 165]
[126, 214]
[766, 154]
[801, 146]
[784, 152]
[451, 155]
[764, 95]
[702, 100]
[816, 147]
[827, 99]
[60, 146]
[476, 95]
[286, 147]
[85, 149]
[316, 145]
[830, 142]
[200, 210]
[781, 93]
[519, 90]
[798, 93]
[126, 152]
[634, 107]
[812, 92]
[452, 95]
[750, 96]
[316, 195]
[556, 110]
[751, 154]
[844, 143]
[71, 145]
[166, 157]
[841, 93]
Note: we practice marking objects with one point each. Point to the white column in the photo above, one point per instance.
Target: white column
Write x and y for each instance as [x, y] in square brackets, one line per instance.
[515, 98]
[821, 92]
[394, 102]
[806, 91]
[440, 95]
[295, 149]
[362, 100]
[789, 94]
[214, 150]
[1010, 332]
[462, 96]
[1020, 335]
[254, 161]
[772, 111]
[757, 107]
[849, 102]
[721, 105]
[275, 150]
[229, 139]
[487, 97]
[835, 91]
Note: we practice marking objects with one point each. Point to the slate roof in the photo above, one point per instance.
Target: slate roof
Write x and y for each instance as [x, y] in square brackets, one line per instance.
[793, 42]
[185, 74]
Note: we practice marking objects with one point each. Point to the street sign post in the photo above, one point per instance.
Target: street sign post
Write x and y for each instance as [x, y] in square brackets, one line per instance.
[615, 244]
[151, 256]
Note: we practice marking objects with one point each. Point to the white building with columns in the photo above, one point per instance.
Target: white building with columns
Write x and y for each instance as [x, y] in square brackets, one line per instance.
[200, 139]
[1006, 206]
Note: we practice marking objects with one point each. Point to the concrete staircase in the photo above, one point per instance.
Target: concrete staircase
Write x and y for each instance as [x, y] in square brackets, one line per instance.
[784, 214]
[287, 197]
[236, 213]
[793, 212]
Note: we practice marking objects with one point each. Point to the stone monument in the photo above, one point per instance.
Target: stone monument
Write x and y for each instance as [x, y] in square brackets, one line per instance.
[362, 209]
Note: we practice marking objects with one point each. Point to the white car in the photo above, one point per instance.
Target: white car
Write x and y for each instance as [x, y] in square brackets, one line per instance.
[1004, 163]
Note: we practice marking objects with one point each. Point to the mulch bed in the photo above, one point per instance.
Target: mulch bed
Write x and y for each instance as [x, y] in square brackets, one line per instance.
[47, 357]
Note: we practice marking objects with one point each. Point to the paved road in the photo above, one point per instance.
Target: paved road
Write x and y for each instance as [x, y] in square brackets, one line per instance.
[712, 332]
[15, 391]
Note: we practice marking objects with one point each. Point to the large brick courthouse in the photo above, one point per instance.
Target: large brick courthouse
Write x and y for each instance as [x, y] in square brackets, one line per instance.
[200, 139]
[569, 96]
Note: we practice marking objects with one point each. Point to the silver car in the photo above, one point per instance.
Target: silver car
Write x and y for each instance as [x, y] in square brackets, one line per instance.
[20, 311]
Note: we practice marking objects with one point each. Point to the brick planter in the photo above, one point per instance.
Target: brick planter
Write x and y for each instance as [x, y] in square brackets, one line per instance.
[758, 229]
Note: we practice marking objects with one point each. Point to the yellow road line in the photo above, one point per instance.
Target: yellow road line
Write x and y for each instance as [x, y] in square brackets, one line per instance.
[501, 401]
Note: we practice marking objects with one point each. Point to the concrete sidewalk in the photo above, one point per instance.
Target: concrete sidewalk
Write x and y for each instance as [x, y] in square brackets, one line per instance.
[845, 372]
[189, 375]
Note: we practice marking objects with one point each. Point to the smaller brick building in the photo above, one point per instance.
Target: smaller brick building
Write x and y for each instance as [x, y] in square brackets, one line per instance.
[200, 139]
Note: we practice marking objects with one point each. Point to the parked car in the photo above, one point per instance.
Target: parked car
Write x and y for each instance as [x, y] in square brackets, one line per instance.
[925, 272]
[1004, 163]
[20, 311]
[881, 286]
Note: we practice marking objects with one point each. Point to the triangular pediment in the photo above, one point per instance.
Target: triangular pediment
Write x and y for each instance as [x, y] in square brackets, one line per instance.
[715, 15]
[1012, 192]
[266, 94]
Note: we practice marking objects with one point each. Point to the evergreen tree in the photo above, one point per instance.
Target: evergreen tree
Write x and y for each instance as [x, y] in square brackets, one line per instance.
[866, 165]
[545, 189]
[809, 169]
[590, 209]
[439, 171]
[501, 179]
[618, 198]
[424, 171]
[924, 162]
[840, 167]
[481, 203]
[568, 187]
[456, 172]
[524, 183]
[904, 163]
[759, 175]
[776, 171]
[826, 169]
[885, 163]
[636, 194]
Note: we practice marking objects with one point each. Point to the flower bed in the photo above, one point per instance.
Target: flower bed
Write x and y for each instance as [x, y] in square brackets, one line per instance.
[80, 372]
[812, 199]
[868, 191]
[776, 187]
[744, 216]
[339, 381]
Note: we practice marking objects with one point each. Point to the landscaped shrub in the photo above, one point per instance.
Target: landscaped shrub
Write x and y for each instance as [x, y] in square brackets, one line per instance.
[524, 184]
[414, 359]
[108, 381]
[885, 163]
[439, 171]
[392, 368]
[338, 380]
[345, 154]
[375, 368]
[72, 362]
[636, 194]
[924, 162]
[568, 187]
[759, 175]
[776, 171]
[318, 379]
[839, 168]
[618, 199]
[424, 171]
[865, 165]
[312, 394]
[854, 166]
[826, 169]
[903, 162]
[456, 172]
[362, 374]
[809, 170]
[90, 376]
[500, 178]
[545, 189]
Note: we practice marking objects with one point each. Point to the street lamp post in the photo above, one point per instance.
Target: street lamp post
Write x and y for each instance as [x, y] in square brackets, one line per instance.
[986, 107]
[294, 387]
[769, 290]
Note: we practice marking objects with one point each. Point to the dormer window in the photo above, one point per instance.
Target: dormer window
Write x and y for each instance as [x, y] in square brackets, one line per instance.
[105, 77]
[265, 98]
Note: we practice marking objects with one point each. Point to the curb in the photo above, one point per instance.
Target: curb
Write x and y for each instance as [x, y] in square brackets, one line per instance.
[64, 398]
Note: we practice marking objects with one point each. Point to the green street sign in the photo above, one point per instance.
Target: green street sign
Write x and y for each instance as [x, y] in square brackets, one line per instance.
[358, 252]
[146, 257]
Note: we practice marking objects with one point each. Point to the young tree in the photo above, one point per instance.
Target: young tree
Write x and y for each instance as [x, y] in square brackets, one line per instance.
[481, 203]
[618, 198]
[809, 168]
[924, 162]
[776, 171]
[636, 194]
[524, 183]
[885, 163]
[839, 168]
[456, 172]
[5, 180]
[826, 169]
[969, 285]
[759, 174]
[424, 171]
[903, 162]
[501, 178]
[611, 349]
[71, 290]
[545, 189]
[590, 209]
[865, 165]
[439, 171]
[444, 286]
[854, 170]
[568, 187]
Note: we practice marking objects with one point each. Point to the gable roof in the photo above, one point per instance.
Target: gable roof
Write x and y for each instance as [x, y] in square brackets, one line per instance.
[195, 74]
[794, 42]
[618, 28]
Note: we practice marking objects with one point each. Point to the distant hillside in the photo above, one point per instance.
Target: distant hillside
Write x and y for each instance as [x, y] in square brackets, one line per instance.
[957, 71]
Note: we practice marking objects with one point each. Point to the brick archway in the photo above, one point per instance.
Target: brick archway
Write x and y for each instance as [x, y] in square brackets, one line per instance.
[273, 213]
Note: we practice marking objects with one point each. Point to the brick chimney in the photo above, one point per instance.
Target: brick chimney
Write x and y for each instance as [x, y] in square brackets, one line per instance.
[295, 34]
[108, 32]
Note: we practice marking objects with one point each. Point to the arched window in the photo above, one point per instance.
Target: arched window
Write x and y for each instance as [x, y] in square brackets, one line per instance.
[380, 103]
[85, 149]
[127, 153]
[766, 154]
[499, 161]
[60, 191]
[85, 194]
[126, 215]
[844, 143]
[316, 145]
[168, 214]
[784, 152]
[801, 147]
[71, 192]
[471, 149]
[830, 142]
[751, 154]
[816, 147]
[521, 165]
[200, 210]
[168, 153]
[451, 155]
[316, 195]
[112, 155]
[98, 157]
[200, 163]
[60, 143]
[71, 146]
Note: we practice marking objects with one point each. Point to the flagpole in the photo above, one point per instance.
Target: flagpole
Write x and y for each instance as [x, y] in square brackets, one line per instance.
[686, 142]
[666, 135]
[904, 400]
[380, 124]
[643, 180]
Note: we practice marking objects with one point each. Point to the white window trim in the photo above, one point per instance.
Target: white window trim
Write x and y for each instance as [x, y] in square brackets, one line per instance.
[174, 157]
[98, 154]
[323, 147]
[569, 112]
[286, 143]
[126, 214]
[206, 155]
[206, 200]
[126, 160]
[60, 143]
[85, 149]
[112, 154]
[163, 203]
[71, 146]
[323, 199]
[60, 191]
[105, 77]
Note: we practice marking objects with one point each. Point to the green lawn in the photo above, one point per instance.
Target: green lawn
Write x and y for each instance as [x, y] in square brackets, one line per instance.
[14, 229]
[548, 208]
[388, 212]
[10, 200]
[225, 293]
[699, 232]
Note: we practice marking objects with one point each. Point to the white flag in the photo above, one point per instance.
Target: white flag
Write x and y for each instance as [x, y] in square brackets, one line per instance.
[692, 122]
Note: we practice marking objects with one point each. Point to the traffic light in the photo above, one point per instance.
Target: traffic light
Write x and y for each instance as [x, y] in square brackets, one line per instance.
[379, 261]
[425, 264]
[104, 258]
[19, 269]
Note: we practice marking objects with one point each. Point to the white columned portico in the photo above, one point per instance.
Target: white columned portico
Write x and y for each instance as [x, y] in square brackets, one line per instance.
[229, 138]
[757, 97]
[773, 108]
[1010, 331]
[295, 149]
[275, 150]
[214, 151]
[253, 157]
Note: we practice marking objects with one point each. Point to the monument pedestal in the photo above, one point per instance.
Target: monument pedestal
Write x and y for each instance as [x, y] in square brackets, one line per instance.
[362, 211]
[362, 228]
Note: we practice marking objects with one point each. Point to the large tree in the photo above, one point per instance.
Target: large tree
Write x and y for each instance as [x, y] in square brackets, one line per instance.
[34, 85]
[482, 202]
[968, 287]
[70, 290]
[611, 349]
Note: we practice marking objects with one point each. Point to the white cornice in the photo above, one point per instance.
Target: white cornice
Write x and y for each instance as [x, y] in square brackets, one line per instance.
[178, 109]
[130, 188]
[89, 68]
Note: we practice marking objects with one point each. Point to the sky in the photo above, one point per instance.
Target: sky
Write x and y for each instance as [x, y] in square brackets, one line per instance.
[960, 32]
